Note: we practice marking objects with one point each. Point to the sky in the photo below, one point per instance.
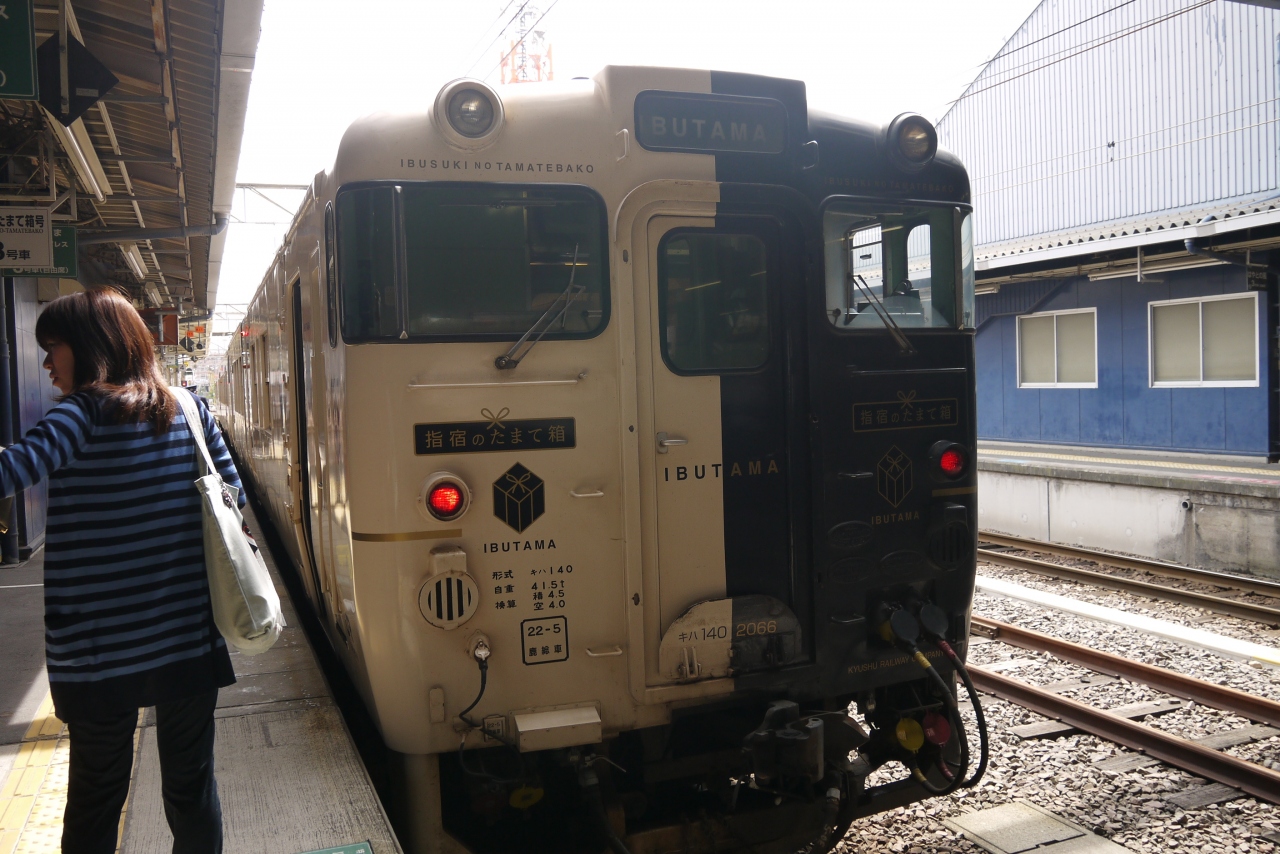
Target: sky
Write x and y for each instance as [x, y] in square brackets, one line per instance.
[322, 64]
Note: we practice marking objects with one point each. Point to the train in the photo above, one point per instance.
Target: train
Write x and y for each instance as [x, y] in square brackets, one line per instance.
[621, 431]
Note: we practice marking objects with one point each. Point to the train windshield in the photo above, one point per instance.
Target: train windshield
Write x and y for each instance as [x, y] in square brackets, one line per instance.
[478, 262]
[912, 266]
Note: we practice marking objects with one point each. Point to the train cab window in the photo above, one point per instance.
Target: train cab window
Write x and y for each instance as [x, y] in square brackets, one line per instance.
[901, 264]
[714, 302]
[366, 261]
[488, 261]
[476, 262]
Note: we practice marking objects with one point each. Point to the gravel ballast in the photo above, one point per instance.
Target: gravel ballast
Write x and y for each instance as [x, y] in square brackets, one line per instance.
[1131, 808]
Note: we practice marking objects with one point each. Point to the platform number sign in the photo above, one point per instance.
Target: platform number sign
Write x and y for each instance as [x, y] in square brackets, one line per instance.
[17, 50]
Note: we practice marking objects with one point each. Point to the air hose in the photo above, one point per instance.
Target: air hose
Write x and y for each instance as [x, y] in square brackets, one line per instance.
[905, 630]
[934, 622]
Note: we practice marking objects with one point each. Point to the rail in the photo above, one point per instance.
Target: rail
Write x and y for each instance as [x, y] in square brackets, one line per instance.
[1257, 709]
[1214, 765]
[1230, 607]
[1156, 567]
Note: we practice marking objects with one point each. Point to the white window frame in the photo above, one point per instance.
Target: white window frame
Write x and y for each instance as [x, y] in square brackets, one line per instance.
[1202, 383]
[1018, 328]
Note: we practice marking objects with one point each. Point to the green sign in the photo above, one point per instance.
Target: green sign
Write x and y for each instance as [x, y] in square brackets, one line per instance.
[356, 848]
[17, 50]
[64, 252]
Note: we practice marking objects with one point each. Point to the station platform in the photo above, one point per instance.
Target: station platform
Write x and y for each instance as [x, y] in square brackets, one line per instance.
[289, 776]
[1207, 510]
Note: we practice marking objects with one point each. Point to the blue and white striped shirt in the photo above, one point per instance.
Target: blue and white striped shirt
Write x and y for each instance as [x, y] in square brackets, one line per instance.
[127, 615]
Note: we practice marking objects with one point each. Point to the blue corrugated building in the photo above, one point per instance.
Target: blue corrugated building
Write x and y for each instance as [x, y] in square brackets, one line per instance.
[1125, 159]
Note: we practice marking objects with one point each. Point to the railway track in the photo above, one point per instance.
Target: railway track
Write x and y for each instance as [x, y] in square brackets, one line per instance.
[1188, 755]
[1265, 614]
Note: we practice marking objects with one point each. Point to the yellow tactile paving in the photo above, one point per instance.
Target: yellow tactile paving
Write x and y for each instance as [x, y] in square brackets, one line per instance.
[34, 793]
[1255, 470]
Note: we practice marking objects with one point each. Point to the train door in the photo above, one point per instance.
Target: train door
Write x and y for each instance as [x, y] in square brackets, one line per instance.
[727, 450]
[304, 423]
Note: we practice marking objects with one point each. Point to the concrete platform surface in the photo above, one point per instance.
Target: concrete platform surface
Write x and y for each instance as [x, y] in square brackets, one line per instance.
[289, 776]
[1201, 510]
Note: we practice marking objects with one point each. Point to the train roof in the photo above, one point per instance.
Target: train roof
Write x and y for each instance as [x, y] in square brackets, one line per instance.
[593, 131]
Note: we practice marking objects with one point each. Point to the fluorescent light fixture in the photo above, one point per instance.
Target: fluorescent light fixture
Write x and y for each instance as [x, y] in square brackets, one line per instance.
[133, 258]
[79, 161]
[1151, 267]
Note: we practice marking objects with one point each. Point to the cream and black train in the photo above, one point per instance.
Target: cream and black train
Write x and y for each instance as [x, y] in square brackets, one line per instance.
[622, 432]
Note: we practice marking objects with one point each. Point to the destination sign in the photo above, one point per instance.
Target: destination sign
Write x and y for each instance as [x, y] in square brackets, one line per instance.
[905, 413]
[499, 433]
[684, 121]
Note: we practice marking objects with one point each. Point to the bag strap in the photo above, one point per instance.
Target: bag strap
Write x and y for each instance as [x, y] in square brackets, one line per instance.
[191, 410]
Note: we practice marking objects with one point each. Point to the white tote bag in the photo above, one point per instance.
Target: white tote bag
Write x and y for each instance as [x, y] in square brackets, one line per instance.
[246, 607]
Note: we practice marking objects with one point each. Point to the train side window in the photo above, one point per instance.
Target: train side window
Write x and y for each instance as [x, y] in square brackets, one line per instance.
[366, 268]
[330, 276]
[714, 302]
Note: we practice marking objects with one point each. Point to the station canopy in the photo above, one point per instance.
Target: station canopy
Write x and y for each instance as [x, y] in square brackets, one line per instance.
[138, 151]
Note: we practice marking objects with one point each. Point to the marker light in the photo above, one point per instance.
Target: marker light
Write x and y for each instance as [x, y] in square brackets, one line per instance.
[444, 497]
[912, 142]
[445, 500]
[951, 462]
[471, 113]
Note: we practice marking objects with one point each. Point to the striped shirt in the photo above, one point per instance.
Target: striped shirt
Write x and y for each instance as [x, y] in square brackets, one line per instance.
[127, 616]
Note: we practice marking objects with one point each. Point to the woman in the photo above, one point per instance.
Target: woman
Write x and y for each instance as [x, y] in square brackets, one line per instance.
[127, 617]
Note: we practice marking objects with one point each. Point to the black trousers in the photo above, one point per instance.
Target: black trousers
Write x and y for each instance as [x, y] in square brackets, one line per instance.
[102, 758]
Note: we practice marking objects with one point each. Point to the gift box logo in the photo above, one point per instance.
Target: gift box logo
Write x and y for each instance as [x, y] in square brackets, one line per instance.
[893, 476]
[519, 497]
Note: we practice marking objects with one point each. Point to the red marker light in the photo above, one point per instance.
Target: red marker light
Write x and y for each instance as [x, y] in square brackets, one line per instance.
[951, 462]
[445, 500]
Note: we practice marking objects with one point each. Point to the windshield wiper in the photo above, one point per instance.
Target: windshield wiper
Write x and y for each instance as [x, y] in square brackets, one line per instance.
[509, 359]
[878, 307]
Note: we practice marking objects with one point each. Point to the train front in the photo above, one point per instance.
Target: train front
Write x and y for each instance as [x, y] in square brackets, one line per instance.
[656, 407]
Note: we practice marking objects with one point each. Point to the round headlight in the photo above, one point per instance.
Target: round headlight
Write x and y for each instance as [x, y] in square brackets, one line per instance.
[471, 113]
[915, 141]
[912, 142]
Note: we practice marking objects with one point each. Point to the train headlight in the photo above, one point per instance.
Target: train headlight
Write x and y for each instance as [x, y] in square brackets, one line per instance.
[444, 497]
[468, 114]
[912, 142]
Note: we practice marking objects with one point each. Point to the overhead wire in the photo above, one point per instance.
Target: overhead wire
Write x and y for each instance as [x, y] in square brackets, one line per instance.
[1088, 43]
[1101, 43]
[489, 27]
[1063, 30]
[523, 37]
[1119, 142]
[501, 32]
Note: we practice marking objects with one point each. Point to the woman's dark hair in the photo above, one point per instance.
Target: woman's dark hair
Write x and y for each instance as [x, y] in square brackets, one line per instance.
[114, 353]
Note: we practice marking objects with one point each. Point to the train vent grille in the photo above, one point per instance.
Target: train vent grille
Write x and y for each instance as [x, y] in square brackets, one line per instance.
[448, 600]
[950, 546]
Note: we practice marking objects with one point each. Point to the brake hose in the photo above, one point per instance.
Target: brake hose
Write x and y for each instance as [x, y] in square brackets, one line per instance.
[905, 630]
[934, 622]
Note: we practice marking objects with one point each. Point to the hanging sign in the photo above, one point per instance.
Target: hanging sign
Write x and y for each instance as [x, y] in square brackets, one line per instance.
[17, 50]
[64, 258]
[26, 237]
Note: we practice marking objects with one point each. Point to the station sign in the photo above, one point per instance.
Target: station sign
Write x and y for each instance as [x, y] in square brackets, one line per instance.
[26, 237]
[687, 121]
[18, 50]
[64, 266]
